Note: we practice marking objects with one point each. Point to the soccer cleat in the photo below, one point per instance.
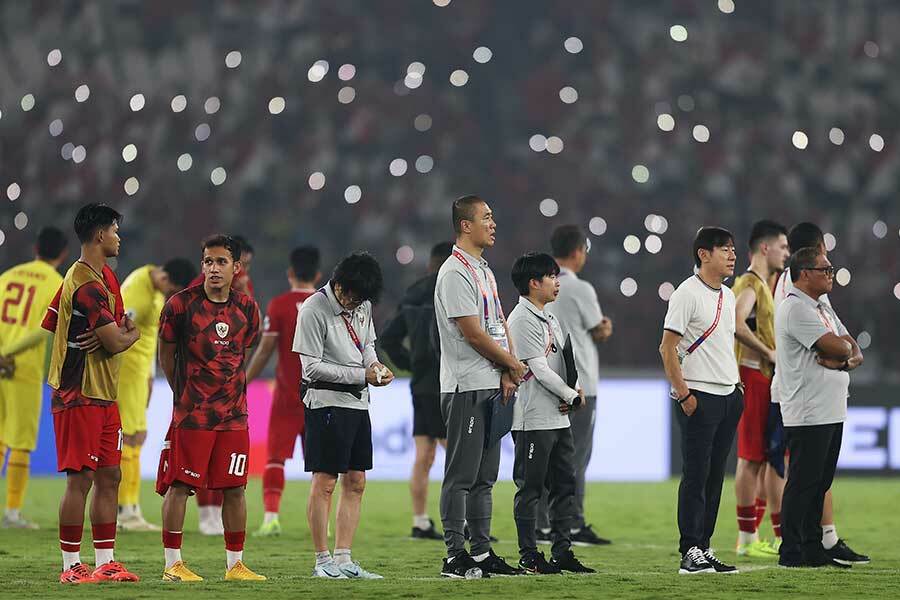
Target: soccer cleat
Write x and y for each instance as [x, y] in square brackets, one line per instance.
[352, 570]
[328, 570]
[542, 537]
[136, 522]
[240, 572]
[17, 522]
[76, 574]
[694, 562]
[842, 554]
[586, 537]
[757, 549]
[211, 527]
[431, 533]
[270, 529]
[717, 564]
[114, 571]
[180, 572]
[495, 565]
[568, 562]
[534, 563]
[462, 566]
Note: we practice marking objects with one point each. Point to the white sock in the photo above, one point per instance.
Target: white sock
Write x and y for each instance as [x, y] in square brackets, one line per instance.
[422, 521]
[12, 513]
[342, 556]
[481, 557]
[103, 556]
[204, 512]
[269, 517]
[173, 555]
[231, 557]
[70, 558]
[322, 558]
[829, 536]
[745, 537]
[215, 513]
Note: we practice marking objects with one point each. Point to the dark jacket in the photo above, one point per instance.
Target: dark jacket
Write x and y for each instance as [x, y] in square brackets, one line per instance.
[415, 321]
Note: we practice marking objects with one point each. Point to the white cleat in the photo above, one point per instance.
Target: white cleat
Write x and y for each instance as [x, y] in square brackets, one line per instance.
[328, 570]
[354, 571]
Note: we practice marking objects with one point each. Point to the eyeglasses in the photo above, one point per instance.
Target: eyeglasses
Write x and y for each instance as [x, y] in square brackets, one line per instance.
[827, 271]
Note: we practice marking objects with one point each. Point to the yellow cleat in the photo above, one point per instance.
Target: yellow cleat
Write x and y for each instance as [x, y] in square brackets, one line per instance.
[240, 572]
[180, 572]
[757, 549]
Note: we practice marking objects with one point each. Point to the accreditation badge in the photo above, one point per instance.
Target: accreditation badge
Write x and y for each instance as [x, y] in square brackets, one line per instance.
[498, 333]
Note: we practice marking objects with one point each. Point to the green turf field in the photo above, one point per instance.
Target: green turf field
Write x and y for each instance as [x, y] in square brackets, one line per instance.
[642, 562]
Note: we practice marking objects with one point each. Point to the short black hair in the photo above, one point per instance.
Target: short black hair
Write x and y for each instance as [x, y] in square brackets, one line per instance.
[442, 250]
[305, 262]
[464, 210]
[804, 258]
[51, 243]
[93, 217]
[181, 271]
[566, 239]
[359, 275]
[220, 240]
[534, 265]
[243, 244]
[805, 235]
[709, 238]
[763, 230]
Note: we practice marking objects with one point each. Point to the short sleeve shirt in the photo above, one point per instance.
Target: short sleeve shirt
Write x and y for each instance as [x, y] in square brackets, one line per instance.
[281, 322]
[578, 311]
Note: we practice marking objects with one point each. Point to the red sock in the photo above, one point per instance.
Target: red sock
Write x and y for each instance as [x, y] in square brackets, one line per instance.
[746, 518]
[273, 486]
[172, 539]
[760, 511]
[234, 540]
[70, 537]
[104, 536]
[776, 523]
[207, 497]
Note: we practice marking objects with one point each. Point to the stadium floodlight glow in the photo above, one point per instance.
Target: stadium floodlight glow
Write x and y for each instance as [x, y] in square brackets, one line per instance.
[179, 103]
[317, 71]
[346, 72]
[20, 221]
[413, 80]
[871, 49]
[632, 244]
[665, 122]
[685, 102]
[665, 291]
[405, 255]
[701, 133]
[66, 150]
[424, 164]
[864, 340]
[549, 207]
[398, 167]
[132, 185]
[79, 153]
[573, 45]
[27, 102]
[415, 67]
[640, 173]
[56, 127]
[346, 95]
[13, 191]
[316, 181]
[202, 132]
[597, 225]
[54, 57]
[800, 140]
[129, 153]
[897, 291]
[276, 105]
[537, 142]
[422, 122]
[137, 102]
[459, 78]
[218, 176]
[726, 6]
[628, 287]
[185, 161]
[482, 54]
[441, 3]
[879, 229]
[842, 277]
[2, 237]
[830, 241]
[212, 105]
[653, 244]
[836, 136]
[876, 142]
[554, 145]
[82, 93]
[678, 33]
[569, 95]
[352, 194]
[233, 59]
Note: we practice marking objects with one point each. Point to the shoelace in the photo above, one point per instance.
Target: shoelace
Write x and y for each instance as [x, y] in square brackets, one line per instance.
[696, 555]
[711, 558]
[81, 570]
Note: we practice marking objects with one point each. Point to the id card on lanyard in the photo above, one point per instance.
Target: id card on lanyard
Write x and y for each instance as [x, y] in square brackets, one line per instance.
[495, 329]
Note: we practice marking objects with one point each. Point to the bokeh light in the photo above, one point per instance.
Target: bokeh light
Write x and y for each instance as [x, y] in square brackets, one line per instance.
[632, 244]
[316, 181]
[218, 176]
[628, 287]
[597, 225]
[405, 255]
[549, 207]
[352, 194]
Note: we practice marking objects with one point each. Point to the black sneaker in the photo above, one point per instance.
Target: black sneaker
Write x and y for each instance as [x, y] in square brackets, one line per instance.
[462, 566]
[586, 537]
[821, 558]
[495, 565]
[842, 553]
[694, 562]
[468, 536]
[542, 537]
[717, 564]
[534, 563]
[426, 534]
[568, 562]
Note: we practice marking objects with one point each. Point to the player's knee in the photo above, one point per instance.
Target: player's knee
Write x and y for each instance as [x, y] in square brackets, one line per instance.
[81, 482]
[235, 493]
[354, 482]
[324, 484]
[108, 477]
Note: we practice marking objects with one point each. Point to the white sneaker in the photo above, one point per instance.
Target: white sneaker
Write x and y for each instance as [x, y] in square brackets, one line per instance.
[136, 522]
[328, 570]
[17, 522]
[352, 570]
[211, 527]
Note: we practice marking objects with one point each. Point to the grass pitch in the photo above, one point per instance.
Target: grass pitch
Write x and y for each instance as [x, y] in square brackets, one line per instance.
[641, 563]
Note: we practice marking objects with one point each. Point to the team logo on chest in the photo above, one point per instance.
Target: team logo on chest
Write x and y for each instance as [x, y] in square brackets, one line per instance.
[222, 329]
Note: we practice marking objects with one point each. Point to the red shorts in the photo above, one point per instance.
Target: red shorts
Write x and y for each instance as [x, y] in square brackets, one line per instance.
[201, 458]
[88, 437]
[751, 432]
[286, 422]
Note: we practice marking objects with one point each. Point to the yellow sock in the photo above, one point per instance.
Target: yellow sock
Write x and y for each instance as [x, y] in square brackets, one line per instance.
[17, 478]
[125, 484]
[135, 491]
[2, 454]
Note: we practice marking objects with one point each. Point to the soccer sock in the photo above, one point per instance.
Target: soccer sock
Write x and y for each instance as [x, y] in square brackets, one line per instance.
[70, 544]
[776, 524]
[342, 556]
[746, 519]
[422, 521]
[760, 511]
[16, 478]
[273, 486]
[234, 547]
[829, 536]
[104, 536]
[322, 558]
[134, 491]
[172, 546]
[125, 484]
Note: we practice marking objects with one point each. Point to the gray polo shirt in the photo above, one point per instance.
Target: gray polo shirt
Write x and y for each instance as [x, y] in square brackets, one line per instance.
[328, 352]
[810, 394]
[534, 332]
[458, 294]
[578, 311]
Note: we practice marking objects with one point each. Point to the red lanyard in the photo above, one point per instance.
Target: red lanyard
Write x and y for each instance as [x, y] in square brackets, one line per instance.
[826, 320]
[484, 295]
[352, 333]
[712, 327]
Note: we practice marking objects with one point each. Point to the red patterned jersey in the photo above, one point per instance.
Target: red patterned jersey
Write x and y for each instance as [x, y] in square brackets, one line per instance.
[281, 321]
[211, 339]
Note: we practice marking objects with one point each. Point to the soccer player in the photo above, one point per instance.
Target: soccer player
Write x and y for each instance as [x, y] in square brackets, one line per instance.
[545, 447]
[755, 355]
[286, 420]
[144, 291]
[204, 335]
[335, 338]
[91, 331]
[27, 290]
[698, 356]
[415, 321]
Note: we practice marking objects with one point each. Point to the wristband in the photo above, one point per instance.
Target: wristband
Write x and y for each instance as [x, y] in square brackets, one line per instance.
[683, 400]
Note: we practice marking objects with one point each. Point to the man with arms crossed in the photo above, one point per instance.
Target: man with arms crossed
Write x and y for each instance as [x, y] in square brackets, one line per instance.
[814, 353]
[477, 361]
[204, 334]
[698, 355]
[335, 339]
[286, 420]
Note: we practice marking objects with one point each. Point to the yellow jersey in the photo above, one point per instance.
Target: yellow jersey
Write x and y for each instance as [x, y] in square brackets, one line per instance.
[26, 291]
[143, 303]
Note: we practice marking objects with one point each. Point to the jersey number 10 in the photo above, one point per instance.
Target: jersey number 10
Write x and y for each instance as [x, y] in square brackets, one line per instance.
[238, 464]
[14, 293]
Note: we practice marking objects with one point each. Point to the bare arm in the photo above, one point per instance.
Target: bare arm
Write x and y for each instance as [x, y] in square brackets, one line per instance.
[855, 360]
[832, 346]
[261, 356]
[115, 338]
[602, 331]
[668, 349]
[746, 300]
[167, 361]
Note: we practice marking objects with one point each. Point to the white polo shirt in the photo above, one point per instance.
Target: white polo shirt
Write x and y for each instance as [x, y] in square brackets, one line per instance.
[711, 367]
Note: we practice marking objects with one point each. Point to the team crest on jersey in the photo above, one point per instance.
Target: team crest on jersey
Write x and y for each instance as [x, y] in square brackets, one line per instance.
[222, 329]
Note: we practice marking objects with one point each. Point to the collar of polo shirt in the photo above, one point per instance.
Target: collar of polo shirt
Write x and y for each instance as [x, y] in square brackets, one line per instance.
[469, 257]
[524, 301]
[567, 271]
[804, 297]
[332, 299]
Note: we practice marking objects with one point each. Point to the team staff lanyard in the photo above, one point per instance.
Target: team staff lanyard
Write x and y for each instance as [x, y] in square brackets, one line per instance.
[708, 332]
[484, 295]
[352, 332]
[826, 320]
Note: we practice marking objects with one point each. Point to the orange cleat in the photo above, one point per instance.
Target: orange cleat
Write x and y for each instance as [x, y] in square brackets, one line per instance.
[78, 573]
[114, 571]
